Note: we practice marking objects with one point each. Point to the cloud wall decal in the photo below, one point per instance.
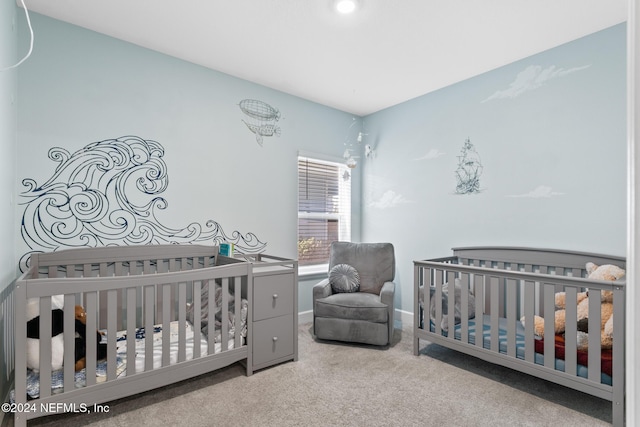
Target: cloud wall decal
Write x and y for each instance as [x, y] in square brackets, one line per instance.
[532, 78]
[541, 191]
[434, 153]
[388, 200]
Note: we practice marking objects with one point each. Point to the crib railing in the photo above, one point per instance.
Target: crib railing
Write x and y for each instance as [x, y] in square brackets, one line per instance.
[124, 293]
[510, 283]
[511, 294]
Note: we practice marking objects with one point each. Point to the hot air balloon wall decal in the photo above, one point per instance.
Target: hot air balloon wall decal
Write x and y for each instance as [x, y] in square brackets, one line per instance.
[260, 118]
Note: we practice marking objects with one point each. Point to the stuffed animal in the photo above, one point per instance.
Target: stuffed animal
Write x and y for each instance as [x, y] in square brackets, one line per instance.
[81, 340]
[57, 340]
[604, 272]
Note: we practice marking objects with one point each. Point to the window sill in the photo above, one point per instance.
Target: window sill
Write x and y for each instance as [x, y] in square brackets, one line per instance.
[311, 271]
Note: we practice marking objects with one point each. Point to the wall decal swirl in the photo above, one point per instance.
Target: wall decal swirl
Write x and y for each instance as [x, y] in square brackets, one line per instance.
[99, 196]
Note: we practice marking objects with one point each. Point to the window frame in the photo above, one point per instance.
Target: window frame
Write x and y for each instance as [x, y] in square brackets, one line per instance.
[344, 219]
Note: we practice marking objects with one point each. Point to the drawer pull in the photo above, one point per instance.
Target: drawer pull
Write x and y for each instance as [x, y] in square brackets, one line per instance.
[275, 296]
[275, 339]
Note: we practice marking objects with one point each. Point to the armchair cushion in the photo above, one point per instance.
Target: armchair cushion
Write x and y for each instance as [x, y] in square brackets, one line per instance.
[344, 278]
[375, 262]
[352, 306]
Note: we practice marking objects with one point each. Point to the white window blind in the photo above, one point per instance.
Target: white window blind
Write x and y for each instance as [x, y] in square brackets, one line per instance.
[324, 208]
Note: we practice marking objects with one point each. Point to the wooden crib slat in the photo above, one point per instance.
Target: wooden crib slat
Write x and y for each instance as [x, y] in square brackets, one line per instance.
[182, 321]
[549, 326]
[494, 289]
[91, 301]
[197, 326]
[225, 314]
[111, 314]
[211, 285]
[540, 304]
[479, 292]
[618, 377]
[438, 297]
[501, 292]
[45, 347]
[166, 324]
[69, 342]
[238, 313]
[451, 295]
[570, 335]
[529, 310]
[464, 308]
[511, 300]
[149, 312]
[418, 312]
[131, 331]
[594, 334]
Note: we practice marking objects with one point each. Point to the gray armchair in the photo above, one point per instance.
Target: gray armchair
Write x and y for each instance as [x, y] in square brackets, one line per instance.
[365, 316]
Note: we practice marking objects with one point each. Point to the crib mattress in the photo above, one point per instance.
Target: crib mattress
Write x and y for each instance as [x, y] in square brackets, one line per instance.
[582, 371]
[156, 336]
[57, 376]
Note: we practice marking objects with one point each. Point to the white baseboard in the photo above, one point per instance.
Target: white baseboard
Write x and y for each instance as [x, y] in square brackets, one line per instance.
[404, 317]
[305, 317]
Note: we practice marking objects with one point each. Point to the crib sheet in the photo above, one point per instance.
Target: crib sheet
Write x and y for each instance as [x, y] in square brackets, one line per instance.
[582, 371]
[156, 336]
[57, 376]
[57, 379]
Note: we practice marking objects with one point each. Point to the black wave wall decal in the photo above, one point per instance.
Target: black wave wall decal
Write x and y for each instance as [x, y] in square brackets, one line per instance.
[107, 194]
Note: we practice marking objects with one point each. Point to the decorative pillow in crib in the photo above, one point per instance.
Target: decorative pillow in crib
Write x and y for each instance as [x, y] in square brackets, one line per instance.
[344, 278]
[204, 306]
[471, 305]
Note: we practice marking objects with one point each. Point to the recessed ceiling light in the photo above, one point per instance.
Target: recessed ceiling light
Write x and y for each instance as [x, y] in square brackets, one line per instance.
[346, 6]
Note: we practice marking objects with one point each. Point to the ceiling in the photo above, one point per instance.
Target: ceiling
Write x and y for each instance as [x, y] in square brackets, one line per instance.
[385, 53]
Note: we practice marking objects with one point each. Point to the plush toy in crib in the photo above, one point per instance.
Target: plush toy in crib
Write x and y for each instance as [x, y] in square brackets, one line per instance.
[57, 340]
[604, 272]
[81, 340]
[471, 305]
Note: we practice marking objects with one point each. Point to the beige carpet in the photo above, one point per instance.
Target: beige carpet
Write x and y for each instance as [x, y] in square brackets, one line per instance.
[336, 384]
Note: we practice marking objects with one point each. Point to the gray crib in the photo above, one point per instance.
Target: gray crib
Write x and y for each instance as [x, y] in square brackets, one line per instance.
[508, 283]
[127, 291]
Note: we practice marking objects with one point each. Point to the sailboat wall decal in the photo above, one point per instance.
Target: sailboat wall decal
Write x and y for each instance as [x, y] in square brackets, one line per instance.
[469, 170]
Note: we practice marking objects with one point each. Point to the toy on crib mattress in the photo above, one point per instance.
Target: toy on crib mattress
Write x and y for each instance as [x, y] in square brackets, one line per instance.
[605, 272]
[57, 341]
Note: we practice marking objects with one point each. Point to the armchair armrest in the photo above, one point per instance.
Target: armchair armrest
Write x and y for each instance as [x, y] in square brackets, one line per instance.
[322, 289]
[387, 293]
[386, 297]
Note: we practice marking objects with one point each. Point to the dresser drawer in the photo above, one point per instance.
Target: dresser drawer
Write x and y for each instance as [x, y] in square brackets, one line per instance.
[272, 296]
[272, 339]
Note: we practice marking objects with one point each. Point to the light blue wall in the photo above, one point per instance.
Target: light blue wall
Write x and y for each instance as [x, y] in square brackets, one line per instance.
[8, 130]
[553, 155]
[81, 87]
[551, 134]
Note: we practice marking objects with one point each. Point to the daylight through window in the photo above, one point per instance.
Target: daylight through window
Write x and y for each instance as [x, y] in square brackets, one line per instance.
[324, 208]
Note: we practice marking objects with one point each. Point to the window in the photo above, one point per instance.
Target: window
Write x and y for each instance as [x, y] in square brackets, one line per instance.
[324, 208]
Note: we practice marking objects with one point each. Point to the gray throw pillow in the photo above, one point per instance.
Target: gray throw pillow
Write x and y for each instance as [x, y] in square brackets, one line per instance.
[344, 278]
